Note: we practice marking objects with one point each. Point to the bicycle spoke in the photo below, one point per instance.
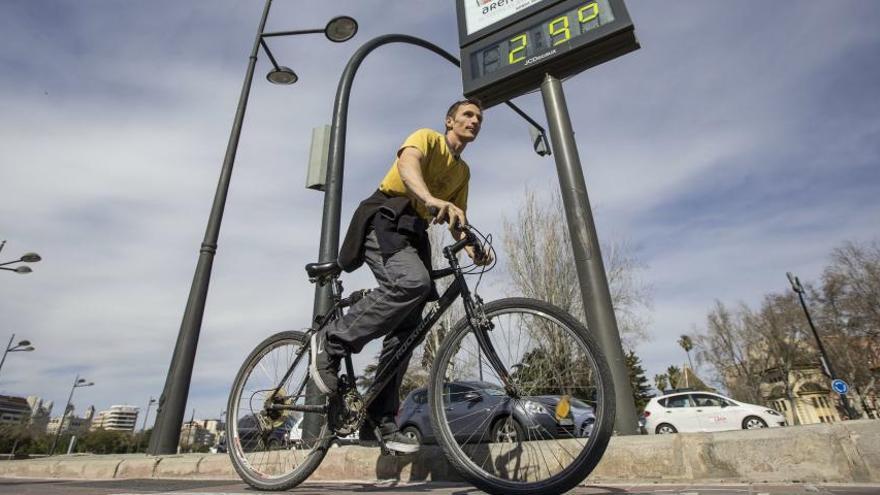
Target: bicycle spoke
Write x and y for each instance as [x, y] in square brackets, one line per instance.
[261, 439]
[555, 401]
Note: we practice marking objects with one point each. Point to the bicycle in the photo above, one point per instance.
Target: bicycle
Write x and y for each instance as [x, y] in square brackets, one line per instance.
[543, 391]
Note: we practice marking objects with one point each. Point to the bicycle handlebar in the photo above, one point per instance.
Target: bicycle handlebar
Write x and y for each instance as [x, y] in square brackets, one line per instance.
[469, 238]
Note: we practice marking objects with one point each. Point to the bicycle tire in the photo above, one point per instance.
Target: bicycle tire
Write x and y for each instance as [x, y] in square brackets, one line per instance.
[582, 464]
[245, 467]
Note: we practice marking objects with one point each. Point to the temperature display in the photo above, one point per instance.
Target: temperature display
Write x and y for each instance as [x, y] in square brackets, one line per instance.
[540, 40]
[560, 38]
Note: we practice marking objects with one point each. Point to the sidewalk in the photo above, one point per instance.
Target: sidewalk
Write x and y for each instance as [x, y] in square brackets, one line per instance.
[846, 452]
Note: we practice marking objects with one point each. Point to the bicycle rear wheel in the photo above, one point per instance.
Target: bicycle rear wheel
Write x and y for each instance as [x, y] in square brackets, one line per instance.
[546, 434]
[266, 445]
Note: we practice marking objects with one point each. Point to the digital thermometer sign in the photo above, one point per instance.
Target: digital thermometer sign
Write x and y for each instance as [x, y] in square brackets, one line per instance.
[526, 39]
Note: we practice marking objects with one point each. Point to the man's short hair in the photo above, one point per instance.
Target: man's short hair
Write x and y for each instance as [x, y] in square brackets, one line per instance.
[454, 107]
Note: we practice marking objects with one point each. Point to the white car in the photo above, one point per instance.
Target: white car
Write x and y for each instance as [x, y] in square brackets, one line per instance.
[705, 411]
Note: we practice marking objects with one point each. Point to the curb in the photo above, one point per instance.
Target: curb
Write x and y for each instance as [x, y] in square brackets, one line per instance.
[847, 452]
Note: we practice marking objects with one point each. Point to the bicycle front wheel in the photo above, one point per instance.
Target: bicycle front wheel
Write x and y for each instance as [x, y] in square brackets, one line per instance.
[546, 432]
[268, 446]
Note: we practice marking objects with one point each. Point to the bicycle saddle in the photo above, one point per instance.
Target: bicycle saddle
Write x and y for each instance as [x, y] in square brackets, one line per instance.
[328, 269]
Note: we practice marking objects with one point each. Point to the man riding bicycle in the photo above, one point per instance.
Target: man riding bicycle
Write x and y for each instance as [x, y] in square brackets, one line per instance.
[389, 231]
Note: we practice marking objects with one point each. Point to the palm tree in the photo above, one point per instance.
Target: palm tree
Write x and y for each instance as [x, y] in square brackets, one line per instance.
[687, 344]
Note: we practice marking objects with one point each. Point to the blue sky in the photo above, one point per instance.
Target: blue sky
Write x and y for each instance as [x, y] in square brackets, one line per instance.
[740, 142]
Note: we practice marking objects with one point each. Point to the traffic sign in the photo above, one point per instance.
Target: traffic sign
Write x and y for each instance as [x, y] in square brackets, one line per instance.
[507, 46]
[839, 386]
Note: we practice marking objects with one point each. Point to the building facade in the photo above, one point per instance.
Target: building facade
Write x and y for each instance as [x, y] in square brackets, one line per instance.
[194, 435]
[117, 418]
[14, 410]
[41, 412]
[72, 423]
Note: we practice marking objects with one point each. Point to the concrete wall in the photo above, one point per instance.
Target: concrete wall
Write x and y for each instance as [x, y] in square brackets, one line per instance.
[838, 453]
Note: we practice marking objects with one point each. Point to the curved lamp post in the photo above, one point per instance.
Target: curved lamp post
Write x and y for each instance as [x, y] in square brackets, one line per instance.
[329, 247]
[172, 402]
[77, 383]
[25, 258]
[330, 223]
[23, 346]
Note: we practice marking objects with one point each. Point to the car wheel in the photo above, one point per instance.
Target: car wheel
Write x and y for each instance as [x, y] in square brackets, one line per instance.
[507, 430]
[753, 423]
[665, 429]
[412, 432]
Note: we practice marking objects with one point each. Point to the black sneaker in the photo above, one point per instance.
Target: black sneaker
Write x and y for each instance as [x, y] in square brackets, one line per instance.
[324, 367]
[397, 441]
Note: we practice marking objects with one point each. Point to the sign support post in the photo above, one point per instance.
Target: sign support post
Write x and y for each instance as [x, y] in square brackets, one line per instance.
[585, 245]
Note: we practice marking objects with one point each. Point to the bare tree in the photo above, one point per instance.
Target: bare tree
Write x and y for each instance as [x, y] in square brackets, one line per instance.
[780, 324]
[734, 350]
[851, 284]
[541, 264]
[847, 314]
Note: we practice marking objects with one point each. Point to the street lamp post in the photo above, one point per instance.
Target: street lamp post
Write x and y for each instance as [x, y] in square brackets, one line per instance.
[25, 258]
[172, 402]
[144, 428]
[23, 346]
[826, 361]
[77, 383]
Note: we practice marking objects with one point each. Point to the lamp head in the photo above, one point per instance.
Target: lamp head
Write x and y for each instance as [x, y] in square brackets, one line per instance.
[31, 257]
[341, 28]
[282, 75]
[23, 269]
[25, 342]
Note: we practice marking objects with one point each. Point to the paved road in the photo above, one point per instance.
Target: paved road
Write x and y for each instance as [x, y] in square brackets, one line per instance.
[167, 487]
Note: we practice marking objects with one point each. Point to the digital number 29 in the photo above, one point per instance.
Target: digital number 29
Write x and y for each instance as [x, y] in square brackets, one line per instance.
[558, 26]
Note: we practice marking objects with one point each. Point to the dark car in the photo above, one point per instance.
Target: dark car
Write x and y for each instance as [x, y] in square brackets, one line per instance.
[480, 412]
[253, 435]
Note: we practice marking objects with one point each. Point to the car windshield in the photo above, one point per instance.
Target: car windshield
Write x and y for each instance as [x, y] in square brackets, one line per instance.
[494, 391]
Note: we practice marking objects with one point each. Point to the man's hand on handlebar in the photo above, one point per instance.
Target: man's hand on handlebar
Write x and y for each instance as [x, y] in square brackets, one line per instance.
[481, 257]
[446, 212]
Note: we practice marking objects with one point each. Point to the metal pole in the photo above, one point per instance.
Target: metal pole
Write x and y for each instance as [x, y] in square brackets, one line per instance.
[8, 346]
[172, 402]
[63, 415]
[588, 259]
[826, 361]
[330, 223]
[144, 429]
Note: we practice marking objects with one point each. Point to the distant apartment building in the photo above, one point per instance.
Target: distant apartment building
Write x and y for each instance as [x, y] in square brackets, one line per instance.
[117, 418]
[14, 410]
[72, 422]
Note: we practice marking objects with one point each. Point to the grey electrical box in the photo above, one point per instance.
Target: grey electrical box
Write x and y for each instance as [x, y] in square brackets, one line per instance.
[317, 174]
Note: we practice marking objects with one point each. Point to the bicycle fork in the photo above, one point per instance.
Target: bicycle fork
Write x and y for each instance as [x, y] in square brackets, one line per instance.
[473, 309]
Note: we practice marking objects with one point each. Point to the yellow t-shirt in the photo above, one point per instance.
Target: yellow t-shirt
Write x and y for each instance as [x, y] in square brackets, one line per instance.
[446, 177]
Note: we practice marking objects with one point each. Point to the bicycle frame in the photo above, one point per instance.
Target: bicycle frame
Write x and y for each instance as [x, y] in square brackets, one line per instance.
[473, 313]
